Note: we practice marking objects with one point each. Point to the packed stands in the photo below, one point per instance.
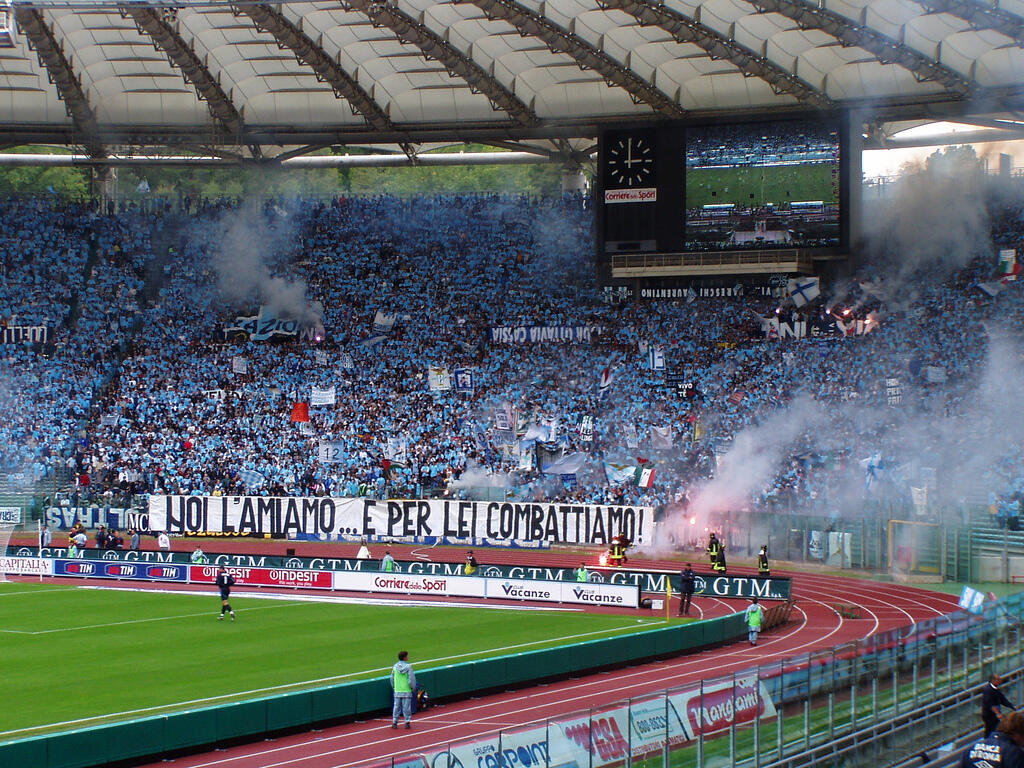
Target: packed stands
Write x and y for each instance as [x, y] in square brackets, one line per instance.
[143, 387]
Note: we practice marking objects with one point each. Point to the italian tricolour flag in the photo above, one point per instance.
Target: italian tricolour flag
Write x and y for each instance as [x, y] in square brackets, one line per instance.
[645, 477]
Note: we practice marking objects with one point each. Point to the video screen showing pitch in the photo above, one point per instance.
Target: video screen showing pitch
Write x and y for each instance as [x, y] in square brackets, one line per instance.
[762, 186]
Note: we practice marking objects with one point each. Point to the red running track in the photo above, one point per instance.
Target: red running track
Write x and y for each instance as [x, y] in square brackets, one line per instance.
[814, 626]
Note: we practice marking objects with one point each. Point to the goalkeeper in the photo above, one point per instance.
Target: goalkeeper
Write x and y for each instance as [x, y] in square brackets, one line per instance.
[225, 581]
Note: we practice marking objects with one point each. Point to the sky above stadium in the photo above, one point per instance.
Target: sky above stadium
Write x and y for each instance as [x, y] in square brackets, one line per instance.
[888, 162]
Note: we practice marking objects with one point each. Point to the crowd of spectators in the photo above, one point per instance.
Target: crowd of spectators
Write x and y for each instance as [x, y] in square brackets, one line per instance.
[134, 396]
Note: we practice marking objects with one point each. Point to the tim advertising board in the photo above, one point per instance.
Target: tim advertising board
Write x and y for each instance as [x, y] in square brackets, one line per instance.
[264, 577]
[113, 569]
[30, 566]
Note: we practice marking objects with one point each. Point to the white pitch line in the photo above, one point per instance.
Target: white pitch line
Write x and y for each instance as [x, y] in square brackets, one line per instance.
[138, 621]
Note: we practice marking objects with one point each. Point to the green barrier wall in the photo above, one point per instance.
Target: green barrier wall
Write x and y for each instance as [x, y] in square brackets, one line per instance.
[160, 735]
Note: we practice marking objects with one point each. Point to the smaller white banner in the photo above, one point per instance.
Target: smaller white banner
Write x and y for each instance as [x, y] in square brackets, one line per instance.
[318, 396]
[491, 588]
[10, 515]
[644, 195]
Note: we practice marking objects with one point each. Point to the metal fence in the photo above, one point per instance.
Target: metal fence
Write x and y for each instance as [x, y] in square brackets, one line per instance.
[868, 702]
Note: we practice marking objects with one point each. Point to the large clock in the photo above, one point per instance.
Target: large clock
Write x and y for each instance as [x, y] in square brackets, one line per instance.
[630, 161]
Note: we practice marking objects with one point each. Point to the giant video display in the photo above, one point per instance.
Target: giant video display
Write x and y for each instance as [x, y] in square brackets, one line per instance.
[763, 185]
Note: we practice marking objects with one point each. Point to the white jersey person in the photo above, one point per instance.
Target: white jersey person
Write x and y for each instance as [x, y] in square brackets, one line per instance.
[364, 551]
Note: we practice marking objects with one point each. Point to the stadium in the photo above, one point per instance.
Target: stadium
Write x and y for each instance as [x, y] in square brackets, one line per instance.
[337, 330]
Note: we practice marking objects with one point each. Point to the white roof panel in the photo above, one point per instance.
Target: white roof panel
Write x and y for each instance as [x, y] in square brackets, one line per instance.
[131, 87]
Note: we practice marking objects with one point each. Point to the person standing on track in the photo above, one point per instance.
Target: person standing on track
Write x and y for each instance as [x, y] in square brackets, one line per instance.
[225, 581]
[712, 550]
[388, 563]
[762, 562]
[581, 573]
[1002, 748]
[754, 617]
[991, 700]
[720, 560]
[403, 688]
[471, 564]
[687, 584]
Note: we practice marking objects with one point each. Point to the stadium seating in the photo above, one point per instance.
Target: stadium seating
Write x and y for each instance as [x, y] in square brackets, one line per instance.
[139, 389]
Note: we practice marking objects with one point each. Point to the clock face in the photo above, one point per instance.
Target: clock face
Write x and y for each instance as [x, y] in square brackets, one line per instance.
[630, 161]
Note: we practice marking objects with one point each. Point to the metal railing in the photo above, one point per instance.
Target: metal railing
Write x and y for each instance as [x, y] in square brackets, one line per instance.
[860, 703]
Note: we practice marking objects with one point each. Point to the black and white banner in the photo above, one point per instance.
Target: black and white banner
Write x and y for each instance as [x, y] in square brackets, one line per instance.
[313, 515]
[267, 324]
[24, 334]
[10, 515]
[544, 334]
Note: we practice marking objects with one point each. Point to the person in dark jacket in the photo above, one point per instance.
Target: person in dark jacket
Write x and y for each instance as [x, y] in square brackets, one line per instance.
[762, 563]
[687, 583]
[1002, 748]
[225, 581]
[991, 700]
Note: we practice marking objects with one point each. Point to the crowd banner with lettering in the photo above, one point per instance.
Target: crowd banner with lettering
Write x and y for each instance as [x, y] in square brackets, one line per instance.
[10, 515]
[24, 334]
[544, 334]
[330, 453]
[123, 519]
[267, 324]
[325, 516]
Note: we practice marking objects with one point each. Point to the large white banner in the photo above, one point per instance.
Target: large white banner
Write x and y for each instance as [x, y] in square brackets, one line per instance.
[317, 515]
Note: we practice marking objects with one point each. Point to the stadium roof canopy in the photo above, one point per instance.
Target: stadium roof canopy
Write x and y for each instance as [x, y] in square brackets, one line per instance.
[262, 79]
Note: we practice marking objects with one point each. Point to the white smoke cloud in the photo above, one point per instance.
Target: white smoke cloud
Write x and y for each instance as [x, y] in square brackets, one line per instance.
[249, 248]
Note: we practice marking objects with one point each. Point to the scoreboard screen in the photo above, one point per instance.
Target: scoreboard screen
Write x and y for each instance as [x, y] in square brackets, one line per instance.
[684, 187]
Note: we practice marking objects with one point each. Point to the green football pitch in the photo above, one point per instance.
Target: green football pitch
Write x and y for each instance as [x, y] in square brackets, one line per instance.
[78, 656]
[756, 186]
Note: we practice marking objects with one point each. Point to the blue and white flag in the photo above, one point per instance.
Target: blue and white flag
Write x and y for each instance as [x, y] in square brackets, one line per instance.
[465, 380]
[656, 357]
[619, 474]
[803, 290]
[372, 341]
[569, 464]
[251, 478]
[396, 450]
[383, 322]
[346, 361]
